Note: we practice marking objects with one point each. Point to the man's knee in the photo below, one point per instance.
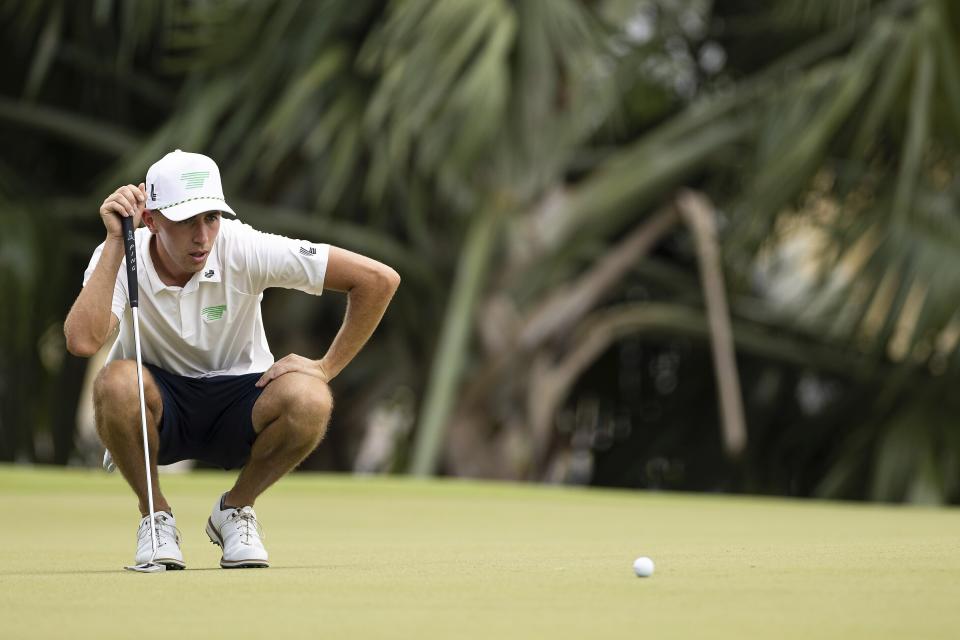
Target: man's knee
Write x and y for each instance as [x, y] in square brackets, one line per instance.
[310, 412]
[316, 403]
[116, 392]
[306, 403]
[115, 385]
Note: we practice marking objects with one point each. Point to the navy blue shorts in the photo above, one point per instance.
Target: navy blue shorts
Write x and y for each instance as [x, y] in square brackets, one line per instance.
[206, 419]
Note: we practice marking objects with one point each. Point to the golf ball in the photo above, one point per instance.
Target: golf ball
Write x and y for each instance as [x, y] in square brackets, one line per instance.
[643, 567]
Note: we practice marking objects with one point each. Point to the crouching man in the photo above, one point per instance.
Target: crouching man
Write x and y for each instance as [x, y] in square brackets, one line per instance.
[213, 391]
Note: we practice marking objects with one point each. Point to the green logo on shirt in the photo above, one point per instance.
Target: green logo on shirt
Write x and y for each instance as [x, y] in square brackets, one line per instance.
[194, 179]
[213, 313]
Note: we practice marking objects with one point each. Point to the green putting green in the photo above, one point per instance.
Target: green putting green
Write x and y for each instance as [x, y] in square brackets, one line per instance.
[397, 558]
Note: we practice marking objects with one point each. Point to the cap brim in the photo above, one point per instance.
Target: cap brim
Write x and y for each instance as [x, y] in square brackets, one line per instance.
[196, 206]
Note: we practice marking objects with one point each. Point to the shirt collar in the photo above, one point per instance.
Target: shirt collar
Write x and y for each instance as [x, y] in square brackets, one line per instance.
[211, 270]
[156, 284]
[210, 273]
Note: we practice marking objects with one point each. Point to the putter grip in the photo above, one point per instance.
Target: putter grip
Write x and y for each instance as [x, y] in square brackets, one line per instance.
[130, 249]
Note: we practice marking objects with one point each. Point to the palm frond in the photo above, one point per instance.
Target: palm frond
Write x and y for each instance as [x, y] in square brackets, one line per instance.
[84, 131]
[918, 127]
[823, 13]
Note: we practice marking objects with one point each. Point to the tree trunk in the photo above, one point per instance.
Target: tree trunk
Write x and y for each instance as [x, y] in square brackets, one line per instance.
[701, 218]
[452, 348]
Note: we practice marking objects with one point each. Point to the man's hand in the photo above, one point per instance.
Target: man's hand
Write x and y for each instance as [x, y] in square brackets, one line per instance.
[293, 362]
[125, 201]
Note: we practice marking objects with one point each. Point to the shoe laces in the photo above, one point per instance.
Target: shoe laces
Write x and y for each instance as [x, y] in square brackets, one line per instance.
[161, 524]
[246, 522]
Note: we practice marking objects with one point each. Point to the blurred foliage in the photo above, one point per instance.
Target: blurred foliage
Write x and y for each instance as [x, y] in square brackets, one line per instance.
[495, 153]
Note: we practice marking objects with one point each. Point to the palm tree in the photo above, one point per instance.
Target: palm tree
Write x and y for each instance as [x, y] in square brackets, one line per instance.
[519, 161]
[836, 105]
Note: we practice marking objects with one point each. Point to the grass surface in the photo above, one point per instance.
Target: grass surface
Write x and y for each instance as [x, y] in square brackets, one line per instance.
[395, 558]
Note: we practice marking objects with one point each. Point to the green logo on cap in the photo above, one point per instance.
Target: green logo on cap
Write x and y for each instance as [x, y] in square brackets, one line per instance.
[194, 179]
[213, 313]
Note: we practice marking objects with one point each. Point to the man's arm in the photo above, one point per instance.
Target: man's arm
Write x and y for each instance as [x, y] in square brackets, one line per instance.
[90, 321]
[369, 286]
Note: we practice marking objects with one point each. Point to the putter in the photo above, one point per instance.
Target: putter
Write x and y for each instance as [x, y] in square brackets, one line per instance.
[108, 464]
[130, 247]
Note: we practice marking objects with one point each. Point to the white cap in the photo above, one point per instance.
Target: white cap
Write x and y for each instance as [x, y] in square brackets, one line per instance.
[181, 185]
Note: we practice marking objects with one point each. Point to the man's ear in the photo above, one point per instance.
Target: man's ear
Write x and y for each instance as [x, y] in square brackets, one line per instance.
[150, 220]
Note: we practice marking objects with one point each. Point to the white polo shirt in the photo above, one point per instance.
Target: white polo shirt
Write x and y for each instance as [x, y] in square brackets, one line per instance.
[212, 326]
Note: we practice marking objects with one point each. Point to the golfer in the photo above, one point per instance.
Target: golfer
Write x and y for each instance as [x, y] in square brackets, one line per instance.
[213, 390]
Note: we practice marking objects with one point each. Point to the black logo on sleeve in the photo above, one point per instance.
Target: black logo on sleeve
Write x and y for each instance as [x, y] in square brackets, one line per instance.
[312, 251]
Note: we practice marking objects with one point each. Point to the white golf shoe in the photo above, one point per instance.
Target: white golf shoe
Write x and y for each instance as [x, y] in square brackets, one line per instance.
[237, 532]
[168, 541]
